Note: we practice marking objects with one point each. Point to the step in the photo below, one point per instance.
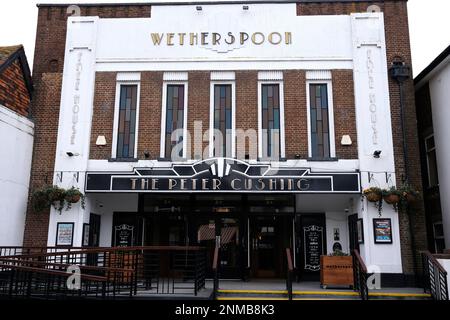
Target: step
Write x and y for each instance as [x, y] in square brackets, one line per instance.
[224, 294]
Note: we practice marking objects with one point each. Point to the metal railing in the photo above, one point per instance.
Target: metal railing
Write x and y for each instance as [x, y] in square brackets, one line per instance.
[290, 273]
[360, 276]
[435, 276]
[126, 271]
[216, 273]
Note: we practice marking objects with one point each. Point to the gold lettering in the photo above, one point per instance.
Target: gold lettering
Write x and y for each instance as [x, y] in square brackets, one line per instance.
[261, 37]
[272, 41]
[288, 37]
[194, 39]
[133, 184]
[172, 183]
[303, 185]
[231, 37]
[169, 38]
[204, 182]
[290, 181]
[243, 37]
[233, 184]
[183, 184]
[261, 185]
[281, 184]
[181, 37]
[272, 184]
[204, 35]
[194, 184]
[155, 184]
[156, 37]
[216, 184]
[216, 38]
[248, 184]
[144, 184]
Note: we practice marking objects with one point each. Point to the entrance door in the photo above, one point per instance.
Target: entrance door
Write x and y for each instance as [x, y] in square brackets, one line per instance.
[94, 230]
[230, 247]
[312, 232]
[353, 232]
[269, 238]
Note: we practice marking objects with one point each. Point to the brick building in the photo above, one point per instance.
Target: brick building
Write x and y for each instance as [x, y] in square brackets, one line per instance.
[298, 104]
[16, 139]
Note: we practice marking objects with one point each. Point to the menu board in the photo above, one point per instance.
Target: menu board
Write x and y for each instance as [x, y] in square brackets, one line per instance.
[124, 235]
[313, 242]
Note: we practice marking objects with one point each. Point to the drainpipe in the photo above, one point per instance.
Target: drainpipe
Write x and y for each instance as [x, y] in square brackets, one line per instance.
[400, 72]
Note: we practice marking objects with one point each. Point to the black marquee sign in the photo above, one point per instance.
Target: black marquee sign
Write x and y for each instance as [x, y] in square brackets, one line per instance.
[223, 175]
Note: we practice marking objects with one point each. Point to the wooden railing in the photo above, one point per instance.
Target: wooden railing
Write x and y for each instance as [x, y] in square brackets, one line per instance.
[435, 276]
[153, 270]
[360, 276]
[290, 273]
[215, 269]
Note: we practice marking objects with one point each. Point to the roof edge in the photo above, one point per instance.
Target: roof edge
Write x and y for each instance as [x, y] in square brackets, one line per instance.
[432, 66]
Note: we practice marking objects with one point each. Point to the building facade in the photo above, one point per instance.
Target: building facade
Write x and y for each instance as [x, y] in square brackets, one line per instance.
[432, 112]
[253, 125]
[16, 138]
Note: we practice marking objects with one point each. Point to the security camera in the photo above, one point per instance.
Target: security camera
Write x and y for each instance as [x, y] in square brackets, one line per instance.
[70, 154]
[377, 154]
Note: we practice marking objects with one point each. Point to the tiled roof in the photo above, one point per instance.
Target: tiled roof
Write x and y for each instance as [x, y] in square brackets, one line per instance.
[6, 52]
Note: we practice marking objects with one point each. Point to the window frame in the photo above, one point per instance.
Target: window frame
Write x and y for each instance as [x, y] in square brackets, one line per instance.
[213, 83]
[280, 84]
[119, 84]
[425, 140]
[162, 148]
[331, 127]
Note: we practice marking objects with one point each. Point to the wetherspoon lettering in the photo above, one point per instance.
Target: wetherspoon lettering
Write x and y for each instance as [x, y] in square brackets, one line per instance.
[217, 39]
[76, 98]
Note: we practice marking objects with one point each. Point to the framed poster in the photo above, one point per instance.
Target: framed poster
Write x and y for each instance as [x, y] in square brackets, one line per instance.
[86, 228]
[64, 234]
[382, 231]
[360, 230]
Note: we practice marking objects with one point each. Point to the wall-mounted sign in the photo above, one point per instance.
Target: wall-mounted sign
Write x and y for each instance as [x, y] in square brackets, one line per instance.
[223, 175]
[64, 233]
[382, 231]
[313, 246]
[124, 235]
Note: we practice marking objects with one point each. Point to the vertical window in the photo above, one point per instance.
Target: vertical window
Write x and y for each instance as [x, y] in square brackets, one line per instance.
[126, 133]
[174, 119]
[319, 121]
[270, 117]
[439, 240]
[223, 120]
[430, 148]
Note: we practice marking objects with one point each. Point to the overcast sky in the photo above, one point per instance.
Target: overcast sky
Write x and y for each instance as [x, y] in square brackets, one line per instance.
[428, 19]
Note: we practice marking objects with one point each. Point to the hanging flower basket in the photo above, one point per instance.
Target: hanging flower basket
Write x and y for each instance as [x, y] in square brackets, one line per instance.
[55, 194]
[73, 195]
[392, 196]
[409, 194]
[373, 194]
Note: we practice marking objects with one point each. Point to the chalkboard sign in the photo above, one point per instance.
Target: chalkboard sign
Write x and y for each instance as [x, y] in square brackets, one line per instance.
[313, 242]
[124, 235]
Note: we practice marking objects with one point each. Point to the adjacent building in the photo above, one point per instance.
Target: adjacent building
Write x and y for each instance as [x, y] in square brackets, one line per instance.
[432, 96]
[247, 124]
[16, 139]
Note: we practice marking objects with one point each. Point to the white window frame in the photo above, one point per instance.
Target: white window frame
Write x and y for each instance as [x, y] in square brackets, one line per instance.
[282, 128]
[428, 162]
[119, 84]
[164, 115]
[329, 84]
[233, 117]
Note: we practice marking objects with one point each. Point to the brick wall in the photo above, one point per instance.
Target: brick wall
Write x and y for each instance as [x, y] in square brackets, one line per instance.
[398, 45]
[47, 79]
[13, 89]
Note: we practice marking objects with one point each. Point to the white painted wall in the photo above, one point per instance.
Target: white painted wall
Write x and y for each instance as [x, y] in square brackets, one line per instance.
[337, 220]
[440, 104]
[16, 140]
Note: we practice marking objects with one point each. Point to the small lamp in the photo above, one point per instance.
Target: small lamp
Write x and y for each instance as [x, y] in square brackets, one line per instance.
[101, 141]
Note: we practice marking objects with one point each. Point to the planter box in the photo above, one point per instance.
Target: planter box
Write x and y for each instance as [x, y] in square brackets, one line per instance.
[336, 271]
